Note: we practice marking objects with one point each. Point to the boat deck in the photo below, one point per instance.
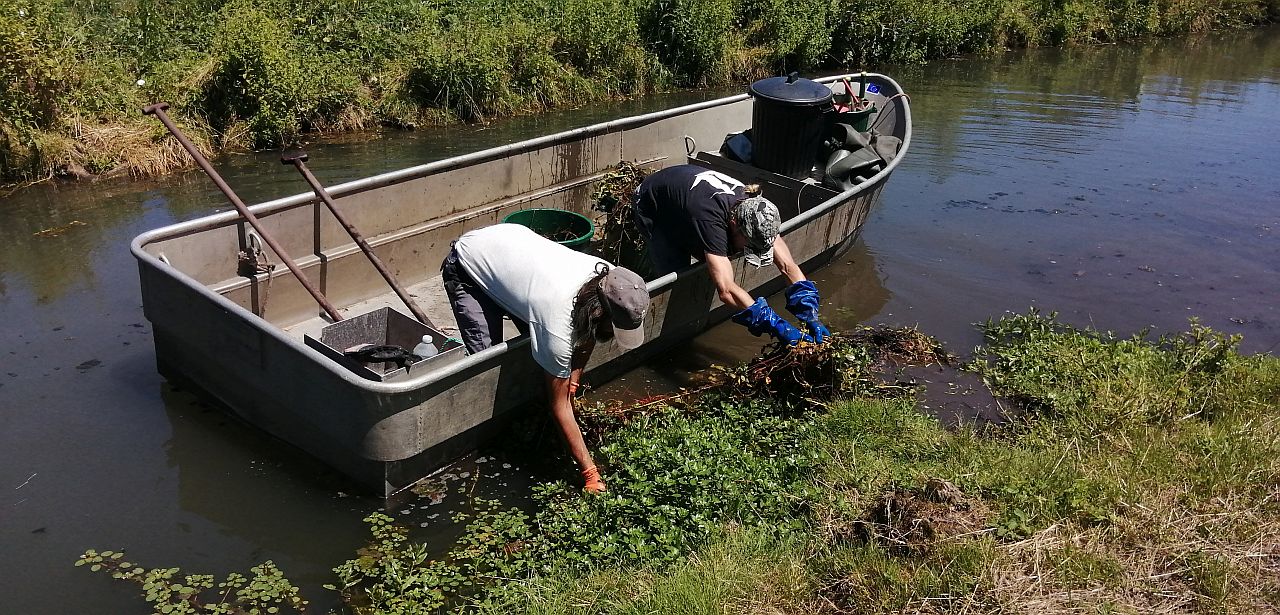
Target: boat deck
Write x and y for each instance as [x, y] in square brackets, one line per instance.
[429, 295]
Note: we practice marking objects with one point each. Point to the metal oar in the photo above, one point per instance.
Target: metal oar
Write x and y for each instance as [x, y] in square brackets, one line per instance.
[299, 160]
[158, 110]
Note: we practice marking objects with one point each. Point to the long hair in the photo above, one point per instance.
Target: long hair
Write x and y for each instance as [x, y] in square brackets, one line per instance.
[590, 318]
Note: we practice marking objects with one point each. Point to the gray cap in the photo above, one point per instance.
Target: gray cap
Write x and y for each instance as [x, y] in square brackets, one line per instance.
[758, 220]
[627, 298]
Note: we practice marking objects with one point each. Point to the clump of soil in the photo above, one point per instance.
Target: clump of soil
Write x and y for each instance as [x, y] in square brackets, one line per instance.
[911, 521]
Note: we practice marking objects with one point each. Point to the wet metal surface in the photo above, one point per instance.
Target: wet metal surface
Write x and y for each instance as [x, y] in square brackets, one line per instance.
[1125, 187]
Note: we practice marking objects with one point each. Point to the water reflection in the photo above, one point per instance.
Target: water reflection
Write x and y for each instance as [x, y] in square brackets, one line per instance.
[1128, 187]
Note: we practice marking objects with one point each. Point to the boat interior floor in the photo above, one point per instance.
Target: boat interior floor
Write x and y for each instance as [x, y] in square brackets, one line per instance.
[429, 295]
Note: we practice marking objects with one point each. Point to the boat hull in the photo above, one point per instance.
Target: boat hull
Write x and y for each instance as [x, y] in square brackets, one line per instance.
[387, 435]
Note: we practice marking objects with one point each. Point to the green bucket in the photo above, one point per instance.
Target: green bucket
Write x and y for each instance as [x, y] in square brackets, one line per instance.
[564, 227]
[857, 119]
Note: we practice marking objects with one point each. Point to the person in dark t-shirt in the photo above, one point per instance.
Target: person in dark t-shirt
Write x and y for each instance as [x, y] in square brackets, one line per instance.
[688, 212]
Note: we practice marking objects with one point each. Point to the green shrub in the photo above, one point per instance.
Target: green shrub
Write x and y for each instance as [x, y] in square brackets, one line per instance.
[464, 72]
[265, 71]
[266, 77]
[693, 37]
[913, 31]
[38, 67]
[796, 34]
[594, 35]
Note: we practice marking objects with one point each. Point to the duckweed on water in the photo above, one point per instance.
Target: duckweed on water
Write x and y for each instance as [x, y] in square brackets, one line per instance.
[1141, 477]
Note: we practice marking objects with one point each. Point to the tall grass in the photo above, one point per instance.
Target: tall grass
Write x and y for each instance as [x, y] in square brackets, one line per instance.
[260, 73]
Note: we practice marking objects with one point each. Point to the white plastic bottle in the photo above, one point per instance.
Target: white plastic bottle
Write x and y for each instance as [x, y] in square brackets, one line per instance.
[425, 348]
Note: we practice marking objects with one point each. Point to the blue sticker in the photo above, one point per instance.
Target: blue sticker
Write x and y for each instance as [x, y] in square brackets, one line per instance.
[873, 88]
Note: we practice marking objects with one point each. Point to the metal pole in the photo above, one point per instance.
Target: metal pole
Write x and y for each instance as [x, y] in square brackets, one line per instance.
[299, 161]
[158, 110]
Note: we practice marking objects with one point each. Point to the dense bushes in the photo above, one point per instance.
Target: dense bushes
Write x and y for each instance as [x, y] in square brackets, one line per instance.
[260, 73]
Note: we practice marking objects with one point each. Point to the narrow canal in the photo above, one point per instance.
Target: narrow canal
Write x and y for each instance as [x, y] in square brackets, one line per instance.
[1128, 187]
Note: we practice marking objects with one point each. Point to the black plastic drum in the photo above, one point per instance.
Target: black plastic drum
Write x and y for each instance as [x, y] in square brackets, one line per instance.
[788, 123]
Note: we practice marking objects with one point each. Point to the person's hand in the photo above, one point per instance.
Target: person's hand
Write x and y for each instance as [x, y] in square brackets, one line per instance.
[803, 300]
[760, 318]
[592, 481]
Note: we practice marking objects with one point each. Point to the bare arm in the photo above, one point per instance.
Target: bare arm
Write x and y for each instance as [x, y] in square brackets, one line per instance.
[721, 270]
[559, 394]
[785, 263]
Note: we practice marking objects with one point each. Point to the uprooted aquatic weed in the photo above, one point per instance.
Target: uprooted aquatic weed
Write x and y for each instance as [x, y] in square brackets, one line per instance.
[621, 242]
[860, 363]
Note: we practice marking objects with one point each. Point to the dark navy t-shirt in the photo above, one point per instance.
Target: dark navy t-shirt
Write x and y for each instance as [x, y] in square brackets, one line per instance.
[690, 206]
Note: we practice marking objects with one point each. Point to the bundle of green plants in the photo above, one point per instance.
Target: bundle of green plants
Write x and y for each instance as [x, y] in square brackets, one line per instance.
[621, 242]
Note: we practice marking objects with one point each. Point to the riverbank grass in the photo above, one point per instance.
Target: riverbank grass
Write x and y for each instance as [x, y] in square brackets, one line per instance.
[1132, 475]
[267, 73]
[1142, 475]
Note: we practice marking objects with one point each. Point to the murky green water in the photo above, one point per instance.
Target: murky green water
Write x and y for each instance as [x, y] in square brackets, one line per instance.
[1124, 186]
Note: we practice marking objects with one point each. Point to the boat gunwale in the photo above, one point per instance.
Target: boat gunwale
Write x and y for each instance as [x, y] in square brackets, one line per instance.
[416, 383]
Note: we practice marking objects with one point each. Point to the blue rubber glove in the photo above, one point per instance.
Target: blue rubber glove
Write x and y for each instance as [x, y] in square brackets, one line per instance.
[760, 318]
[802, 300]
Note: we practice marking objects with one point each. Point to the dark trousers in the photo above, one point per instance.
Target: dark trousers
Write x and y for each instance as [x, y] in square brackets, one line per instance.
[664, 255]
[479, 316]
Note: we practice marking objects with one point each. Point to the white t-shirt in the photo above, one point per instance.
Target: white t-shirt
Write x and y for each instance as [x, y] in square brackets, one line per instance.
[533, 278]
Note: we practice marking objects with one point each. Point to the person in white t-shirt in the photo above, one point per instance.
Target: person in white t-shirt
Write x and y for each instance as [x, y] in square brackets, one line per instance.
[566, 301]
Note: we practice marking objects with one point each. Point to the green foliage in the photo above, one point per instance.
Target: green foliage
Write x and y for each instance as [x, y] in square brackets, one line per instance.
[736, 501]
[734, 569]
[598, 37]
[36, 68]
[478, 70]
[871, 580]
[395, 577]
[265, 72]
[797, 34]
[264, 76]
[694, 38]
[1081, 568]
[912, 31]
[265, 591]
[675, 479]
[1092, 379]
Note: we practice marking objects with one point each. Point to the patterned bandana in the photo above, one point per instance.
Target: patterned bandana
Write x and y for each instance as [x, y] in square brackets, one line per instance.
[758, 220]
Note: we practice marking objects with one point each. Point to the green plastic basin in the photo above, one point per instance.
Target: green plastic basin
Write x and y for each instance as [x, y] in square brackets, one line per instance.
[567, 228]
